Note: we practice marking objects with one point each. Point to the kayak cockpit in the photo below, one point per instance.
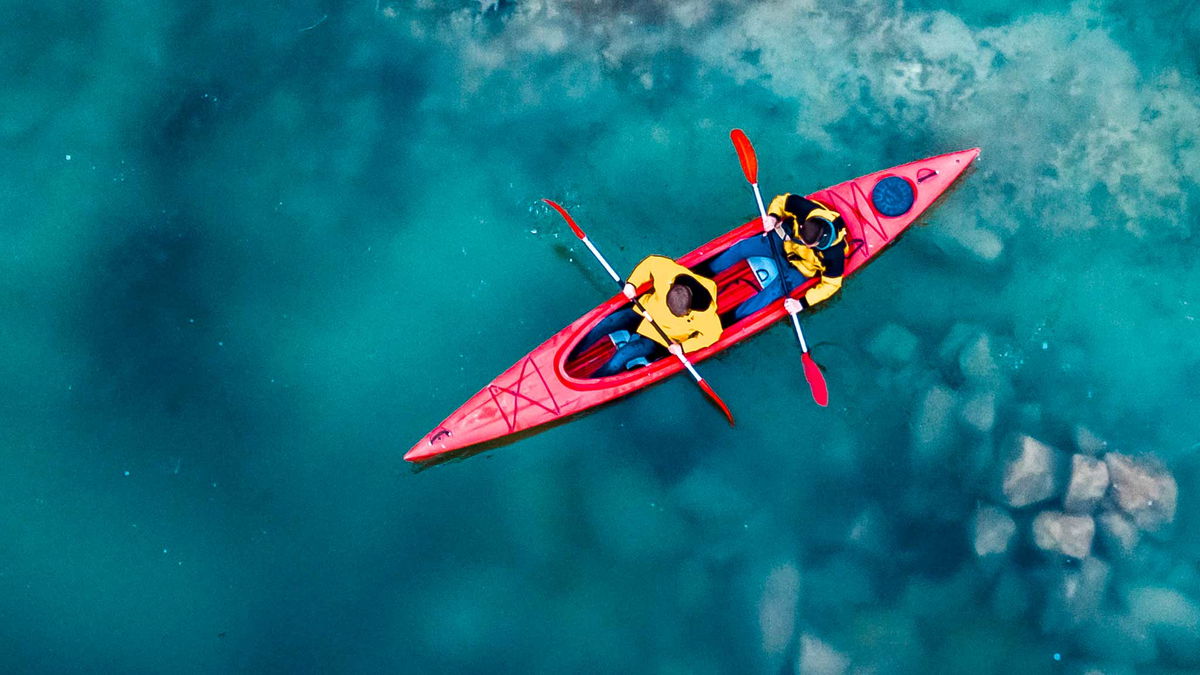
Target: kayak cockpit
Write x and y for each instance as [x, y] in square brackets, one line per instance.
[735, 285]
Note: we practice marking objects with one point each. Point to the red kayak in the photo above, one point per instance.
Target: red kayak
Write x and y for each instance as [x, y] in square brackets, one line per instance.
[553, 381]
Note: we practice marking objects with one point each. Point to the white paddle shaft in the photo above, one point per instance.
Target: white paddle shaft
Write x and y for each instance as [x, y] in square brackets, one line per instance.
[799, 333]
[762, 210]
[611, 272]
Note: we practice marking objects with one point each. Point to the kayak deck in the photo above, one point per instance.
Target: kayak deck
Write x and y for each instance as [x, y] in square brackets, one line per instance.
[546, 386]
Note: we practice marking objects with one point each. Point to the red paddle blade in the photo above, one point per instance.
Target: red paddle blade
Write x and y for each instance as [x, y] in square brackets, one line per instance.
[816, 380]
[716, 399]
[745, 153]
[567, 217]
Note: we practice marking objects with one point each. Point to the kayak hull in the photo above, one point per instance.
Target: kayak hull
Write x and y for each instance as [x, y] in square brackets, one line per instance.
[537, 390]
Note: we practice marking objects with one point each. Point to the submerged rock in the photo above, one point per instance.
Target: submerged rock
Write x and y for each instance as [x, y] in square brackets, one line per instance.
[992, 530]
[1172, 617]
[956, 337]
[1118, 532]
[894, 345]
[1079, 595]
[777, 608]
[1089, 482]
[976, 360]
[932, 428]
[818, 658]
[1088, 442]
[1031, 472]
[1058, 532]
[979, 412]
[1146, 491]
[1167, 607]
[982, 243]
[869, 533]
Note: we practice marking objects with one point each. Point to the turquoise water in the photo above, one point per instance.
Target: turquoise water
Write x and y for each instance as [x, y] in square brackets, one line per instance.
[252, 253]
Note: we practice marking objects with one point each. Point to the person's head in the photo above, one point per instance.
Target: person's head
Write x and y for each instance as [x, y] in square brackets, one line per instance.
[679, 299]
[686, 294]
[817, 232]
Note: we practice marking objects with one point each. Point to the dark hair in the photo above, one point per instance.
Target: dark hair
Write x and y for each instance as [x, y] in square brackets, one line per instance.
[701, 298]
[679, 299]
[812, 229]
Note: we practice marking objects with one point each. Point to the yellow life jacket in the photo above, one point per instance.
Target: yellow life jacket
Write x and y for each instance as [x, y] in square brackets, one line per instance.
[695, 330]
[808, 260]
[778, 208]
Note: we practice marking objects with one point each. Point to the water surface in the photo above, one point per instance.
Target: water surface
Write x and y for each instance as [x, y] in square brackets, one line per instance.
[253, 253]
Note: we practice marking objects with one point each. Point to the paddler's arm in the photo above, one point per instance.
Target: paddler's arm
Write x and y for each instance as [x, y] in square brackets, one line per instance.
[653, 266]
[778, 206]
[788, 205]
[830, 282]
[708, 331]
[637, 278]
[824, 289]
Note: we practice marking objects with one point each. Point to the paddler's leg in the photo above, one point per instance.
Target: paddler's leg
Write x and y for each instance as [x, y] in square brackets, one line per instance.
[746, 248]
[638, 347]
[622, 319]
[770, 293]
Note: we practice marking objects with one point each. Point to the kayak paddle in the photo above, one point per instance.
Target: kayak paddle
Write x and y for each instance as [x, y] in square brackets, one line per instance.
[617, 278]
[749, 161]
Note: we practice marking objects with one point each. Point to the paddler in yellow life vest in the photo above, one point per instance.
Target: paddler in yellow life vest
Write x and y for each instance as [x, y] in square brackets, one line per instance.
[818, 248]
[682, 303]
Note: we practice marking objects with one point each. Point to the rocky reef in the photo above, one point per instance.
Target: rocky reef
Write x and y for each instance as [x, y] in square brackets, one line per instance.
[1071, 537]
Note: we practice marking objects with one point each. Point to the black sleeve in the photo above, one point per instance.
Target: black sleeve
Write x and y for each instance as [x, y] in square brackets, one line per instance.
[800, 206]
[834, 259]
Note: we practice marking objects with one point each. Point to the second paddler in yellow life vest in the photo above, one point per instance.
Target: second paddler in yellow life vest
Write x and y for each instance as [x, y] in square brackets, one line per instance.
[818, 247]
[682, 303]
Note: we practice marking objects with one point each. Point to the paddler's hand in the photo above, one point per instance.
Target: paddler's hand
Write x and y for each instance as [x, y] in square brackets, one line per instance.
[676, 349]
[770, 222]
[793, 306]
[629, 291]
